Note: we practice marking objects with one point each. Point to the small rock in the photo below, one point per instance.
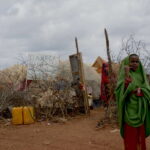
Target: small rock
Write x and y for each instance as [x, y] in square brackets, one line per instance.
[7, 124]
[115, 130]
[48, 124]
[36, 130]
[63, 120]
[60, 120]
[46, 142]
[90, 142]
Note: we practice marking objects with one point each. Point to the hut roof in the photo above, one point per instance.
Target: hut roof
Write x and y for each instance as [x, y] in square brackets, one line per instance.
[98, 64]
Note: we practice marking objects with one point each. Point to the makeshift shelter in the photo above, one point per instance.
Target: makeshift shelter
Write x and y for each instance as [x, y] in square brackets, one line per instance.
[98, 64]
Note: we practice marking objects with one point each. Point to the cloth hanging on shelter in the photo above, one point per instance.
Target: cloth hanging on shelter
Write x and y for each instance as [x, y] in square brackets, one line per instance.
[23, 85]
[104, 84]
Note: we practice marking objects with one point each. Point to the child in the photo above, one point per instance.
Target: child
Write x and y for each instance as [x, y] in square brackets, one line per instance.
[133, 99]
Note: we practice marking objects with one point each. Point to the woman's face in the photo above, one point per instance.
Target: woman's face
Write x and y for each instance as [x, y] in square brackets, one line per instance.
[134, 63]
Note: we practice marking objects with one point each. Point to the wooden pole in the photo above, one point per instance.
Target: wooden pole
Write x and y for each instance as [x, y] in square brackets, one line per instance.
[77, 48]
[108, 52]
[82, 78]
[108, 113]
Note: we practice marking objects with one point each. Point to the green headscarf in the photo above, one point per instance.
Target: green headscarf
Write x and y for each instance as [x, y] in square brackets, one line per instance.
[132, 109]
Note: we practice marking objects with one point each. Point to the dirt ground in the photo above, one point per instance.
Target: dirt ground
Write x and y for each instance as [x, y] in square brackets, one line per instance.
[78, 133]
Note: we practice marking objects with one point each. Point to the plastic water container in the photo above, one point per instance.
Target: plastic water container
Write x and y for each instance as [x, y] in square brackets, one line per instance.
[17, 116]
[28, 115]
[23, 115]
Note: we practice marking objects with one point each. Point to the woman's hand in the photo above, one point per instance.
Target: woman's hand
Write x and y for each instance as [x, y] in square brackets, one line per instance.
[128, 80]
[139, 92]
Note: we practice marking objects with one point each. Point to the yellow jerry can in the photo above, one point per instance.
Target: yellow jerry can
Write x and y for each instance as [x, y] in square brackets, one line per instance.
[17, 117]
[28, 115]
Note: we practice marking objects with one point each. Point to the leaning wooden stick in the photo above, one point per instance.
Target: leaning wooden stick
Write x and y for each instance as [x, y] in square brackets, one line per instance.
[127, 69]
[108, 52]
[77, 48]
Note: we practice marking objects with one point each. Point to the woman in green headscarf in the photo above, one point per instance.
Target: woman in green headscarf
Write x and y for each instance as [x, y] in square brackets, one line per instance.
[133, 99]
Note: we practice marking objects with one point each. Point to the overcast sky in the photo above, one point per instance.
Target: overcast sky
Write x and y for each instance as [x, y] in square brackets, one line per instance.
[51, 25]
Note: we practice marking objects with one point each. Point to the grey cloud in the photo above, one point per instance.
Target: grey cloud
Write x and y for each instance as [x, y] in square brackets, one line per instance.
[35, 25]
